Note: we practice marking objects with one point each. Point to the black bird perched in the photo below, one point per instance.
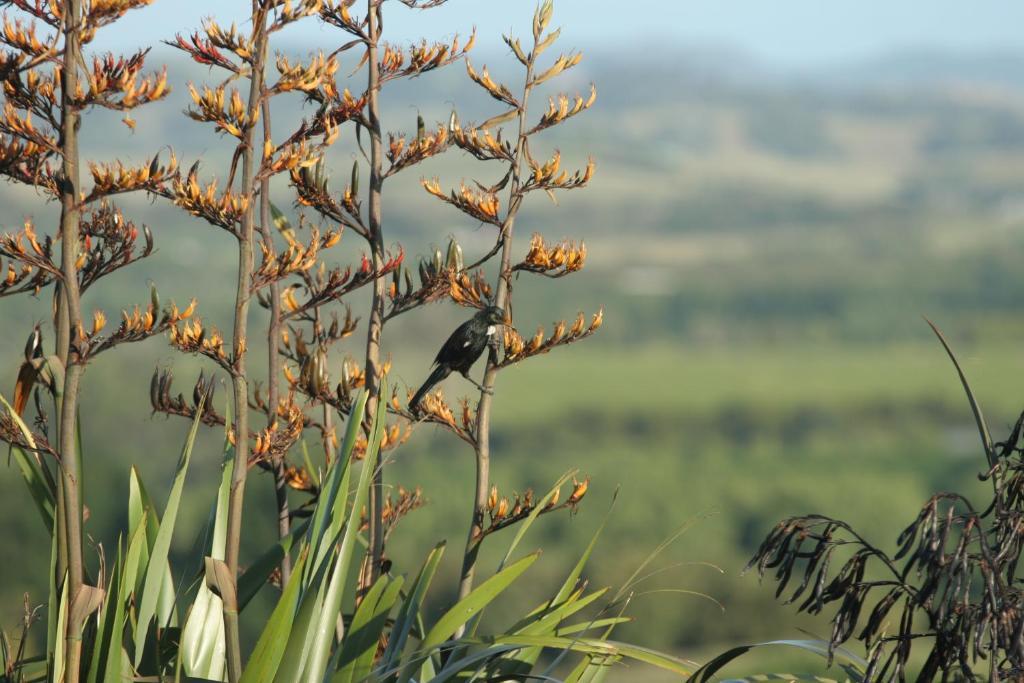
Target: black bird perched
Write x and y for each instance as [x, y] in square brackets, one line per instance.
[462, 349]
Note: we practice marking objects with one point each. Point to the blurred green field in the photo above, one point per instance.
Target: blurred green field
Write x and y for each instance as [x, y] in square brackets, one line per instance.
[732, 440]
[739, 439]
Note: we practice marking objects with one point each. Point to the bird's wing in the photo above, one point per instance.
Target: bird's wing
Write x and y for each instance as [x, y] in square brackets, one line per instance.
[454, 345]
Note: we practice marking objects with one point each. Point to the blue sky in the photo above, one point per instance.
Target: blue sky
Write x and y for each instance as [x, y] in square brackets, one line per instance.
[783, 32]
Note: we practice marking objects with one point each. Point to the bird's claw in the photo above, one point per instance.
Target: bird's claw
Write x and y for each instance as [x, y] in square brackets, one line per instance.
[487, 390]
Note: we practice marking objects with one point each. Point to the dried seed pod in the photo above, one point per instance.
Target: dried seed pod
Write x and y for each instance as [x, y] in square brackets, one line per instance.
[425, 275]
[454, 260]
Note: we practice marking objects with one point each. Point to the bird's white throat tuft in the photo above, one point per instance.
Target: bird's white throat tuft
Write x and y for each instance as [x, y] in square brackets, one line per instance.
[491, 329]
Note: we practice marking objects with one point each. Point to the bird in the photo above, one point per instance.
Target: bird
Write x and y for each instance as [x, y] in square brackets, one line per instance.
[29, 370]
[462, 349]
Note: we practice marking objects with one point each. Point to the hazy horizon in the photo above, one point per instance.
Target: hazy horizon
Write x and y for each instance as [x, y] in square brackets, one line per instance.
[797, 34]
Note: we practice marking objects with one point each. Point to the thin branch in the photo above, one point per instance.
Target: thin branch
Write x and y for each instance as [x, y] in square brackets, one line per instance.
[240, 378]
[69, 222]
[502, 300]
[273, 360]
[375, 324]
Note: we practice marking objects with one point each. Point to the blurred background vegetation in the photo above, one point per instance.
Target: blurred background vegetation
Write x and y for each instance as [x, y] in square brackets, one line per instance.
[764, 241]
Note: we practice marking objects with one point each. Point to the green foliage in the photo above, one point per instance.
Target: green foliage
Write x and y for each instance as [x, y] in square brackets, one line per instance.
[852, 665]
[158, 582]
[952, 579]
[38, 479]
[320, 629]
[202, 644]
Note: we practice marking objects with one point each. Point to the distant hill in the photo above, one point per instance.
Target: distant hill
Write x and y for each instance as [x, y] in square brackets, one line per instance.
[805, 191]
[932, 68]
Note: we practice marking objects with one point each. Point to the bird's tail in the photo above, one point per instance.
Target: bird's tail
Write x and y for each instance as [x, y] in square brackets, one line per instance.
[439, 373]
[23, 388]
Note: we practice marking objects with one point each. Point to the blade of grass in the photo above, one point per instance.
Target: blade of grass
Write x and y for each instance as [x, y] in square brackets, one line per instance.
[525, 525]
[132, 565]
[548, 621]
[592, 669]
[608, 648]
[979, 417]
[460, 613]
[363, 636]
[323, 634]
[853, 665]
[325, 507]
[523, 661]
[52, 607]
[157, 566]
[480, 597]
[577, 571]
[411, 608]
[298, 641]
[672, 538]
[255, 577]
[270, 647]
[591, 625]
[109, 650]
[62, 624]
[589, 646]
[101, 646]
[39, 485]
[203, 649]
